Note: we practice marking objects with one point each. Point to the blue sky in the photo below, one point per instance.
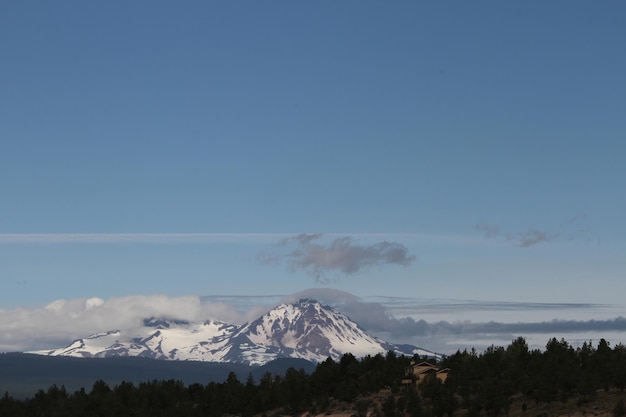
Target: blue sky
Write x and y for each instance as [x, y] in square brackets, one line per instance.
[152, 148]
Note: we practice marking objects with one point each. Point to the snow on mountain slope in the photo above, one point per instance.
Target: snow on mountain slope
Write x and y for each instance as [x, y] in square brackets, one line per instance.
[158, 339]
[304, 329]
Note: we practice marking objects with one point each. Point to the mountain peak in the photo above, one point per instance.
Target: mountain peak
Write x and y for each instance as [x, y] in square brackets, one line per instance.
[304, 302]
[161, 323]
[304, 329]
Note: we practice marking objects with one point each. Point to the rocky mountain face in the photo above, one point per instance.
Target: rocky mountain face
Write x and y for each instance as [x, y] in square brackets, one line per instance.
[304, 329]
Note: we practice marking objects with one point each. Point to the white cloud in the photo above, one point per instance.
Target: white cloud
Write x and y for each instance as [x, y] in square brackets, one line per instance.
[62, 321]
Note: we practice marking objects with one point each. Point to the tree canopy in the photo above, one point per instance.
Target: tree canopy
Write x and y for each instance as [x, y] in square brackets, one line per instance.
[481, 384]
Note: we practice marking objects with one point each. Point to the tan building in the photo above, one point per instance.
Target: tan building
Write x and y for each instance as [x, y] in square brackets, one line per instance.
[415, 373]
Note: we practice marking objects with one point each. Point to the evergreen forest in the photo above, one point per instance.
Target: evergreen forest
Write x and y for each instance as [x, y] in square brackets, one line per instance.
[478, 384]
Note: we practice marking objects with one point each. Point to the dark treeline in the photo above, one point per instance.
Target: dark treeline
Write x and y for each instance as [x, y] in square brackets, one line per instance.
[292, 392]
[487, 382]
[479, 384]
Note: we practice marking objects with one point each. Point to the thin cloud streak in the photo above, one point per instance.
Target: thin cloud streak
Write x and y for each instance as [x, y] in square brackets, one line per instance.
[169, 238]
[112, 238]
[173, 238]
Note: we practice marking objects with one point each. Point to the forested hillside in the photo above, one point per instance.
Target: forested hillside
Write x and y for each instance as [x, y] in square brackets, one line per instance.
[479, 384]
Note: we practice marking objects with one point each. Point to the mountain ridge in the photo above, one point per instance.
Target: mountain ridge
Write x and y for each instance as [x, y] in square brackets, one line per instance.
[304, 329]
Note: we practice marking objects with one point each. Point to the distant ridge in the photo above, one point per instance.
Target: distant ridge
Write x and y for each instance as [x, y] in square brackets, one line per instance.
[23, 374]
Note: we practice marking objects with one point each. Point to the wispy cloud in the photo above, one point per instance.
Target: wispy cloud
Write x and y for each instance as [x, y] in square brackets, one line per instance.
[533, 237]
[574, 229]
[171, 238]
[530, 237]
[315, 256]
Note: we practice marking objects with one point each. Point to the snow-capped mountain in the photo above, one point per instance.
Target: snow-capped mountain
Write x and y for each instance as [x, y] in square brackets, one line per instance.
[157, 339]
[305, 329]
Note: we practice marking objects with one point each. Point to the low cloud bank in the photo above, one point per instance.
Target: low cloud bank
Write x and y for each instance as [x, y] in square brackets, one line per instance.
[447, 336]
[62, 321]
